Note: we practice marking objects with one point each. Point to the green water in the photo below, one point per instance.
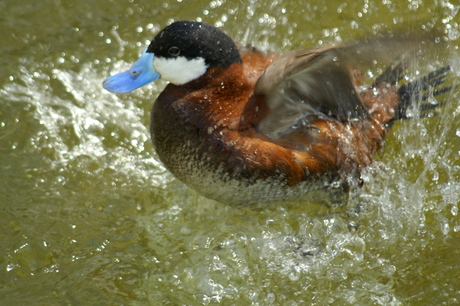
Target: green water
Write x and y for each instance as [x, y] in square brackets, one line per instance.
[88, 216]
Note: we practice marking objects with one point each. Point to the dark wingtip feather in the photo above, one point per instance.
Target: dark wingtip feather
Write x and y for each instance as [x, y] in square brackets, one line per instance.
[417, 91]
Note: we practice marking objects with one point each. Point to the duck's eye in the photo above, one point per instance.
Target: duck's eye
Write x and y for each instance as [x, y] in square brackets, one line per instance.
[174, 51]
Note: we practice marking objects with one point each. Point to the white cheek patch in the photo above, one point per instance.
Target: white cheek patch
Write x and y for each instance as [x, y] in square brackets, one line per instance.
[180, 70]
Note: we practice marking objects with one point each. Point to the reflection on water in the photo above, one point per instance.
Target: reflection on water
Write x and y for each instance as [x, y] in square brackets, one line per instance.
[88, 214]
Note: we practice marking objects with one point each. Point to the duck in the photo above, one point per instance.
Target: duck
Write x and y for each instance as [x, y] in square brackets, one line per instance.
[242, 126]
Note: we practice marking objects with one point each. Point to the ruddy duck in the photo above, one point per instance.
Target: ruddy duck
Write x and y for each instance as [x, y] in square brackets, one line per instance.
[243, 127]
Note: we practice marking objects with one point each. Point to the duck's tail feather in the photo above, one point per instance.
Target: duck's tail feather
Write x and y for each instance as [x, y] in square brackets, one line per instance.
[395, 71]
[422, 92]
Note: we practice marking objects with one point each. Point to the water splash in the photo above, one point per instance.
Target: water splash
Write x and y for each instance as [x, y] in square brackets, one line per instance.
[72, 117]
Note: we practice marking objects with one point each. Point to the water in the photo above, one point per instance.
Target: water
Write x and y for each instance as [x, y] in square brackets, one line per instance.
[89, 216]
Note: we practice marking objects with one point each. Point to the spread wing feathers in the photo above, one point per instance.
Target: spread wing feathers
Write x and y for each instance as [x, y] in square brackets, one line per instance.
[305, 82]
[318, 81]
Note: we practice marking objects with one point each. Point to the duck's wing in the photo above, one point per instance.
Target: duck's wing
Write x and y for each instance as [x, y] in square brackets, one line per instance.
[319, 82]
[304, 82]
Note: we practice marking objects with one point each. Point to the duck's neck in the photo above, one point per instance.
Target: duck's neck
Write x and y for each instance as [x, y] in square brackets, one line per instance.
[215, 100]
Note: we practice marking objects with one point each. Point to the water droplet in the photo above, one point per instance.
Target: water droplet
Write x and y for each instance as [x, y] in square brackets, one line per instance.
[435, 176]
[454, 210]
[294, 276]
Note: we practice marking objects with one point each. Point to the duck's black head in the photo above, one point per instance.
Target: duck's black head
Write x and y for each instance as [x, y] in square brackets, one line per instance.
[180, 53]
[193, 40]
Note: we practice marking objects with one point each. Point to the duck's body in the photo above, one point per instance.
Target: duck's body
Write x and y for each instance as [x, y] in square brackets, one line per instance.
[218, 152]
[243, 131]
